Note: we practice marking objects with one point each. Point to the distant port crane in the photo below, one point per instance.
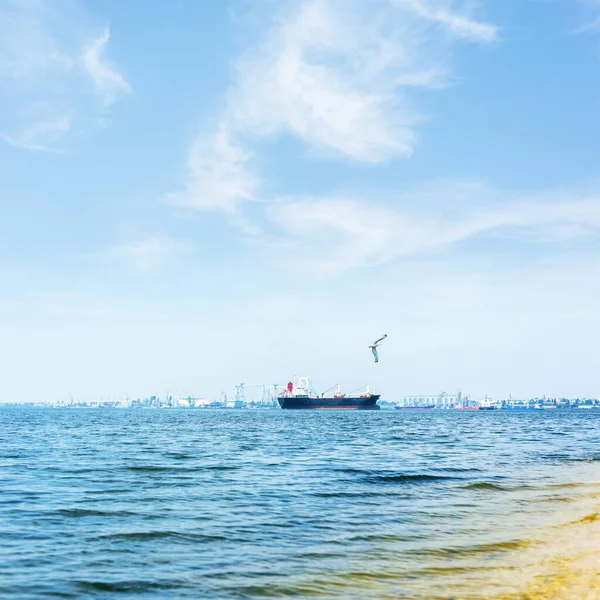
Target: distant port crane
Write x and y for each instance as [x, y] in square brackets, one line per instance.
[267, 396]
[192, 400]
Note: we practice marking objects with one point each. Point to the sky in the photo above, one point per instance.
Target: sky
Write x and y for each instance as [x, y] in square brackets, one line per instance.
[195, 194]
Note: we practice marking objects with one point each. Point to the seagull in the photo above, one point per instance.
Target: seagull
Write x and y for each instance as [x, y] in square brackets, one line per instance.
[374, 345]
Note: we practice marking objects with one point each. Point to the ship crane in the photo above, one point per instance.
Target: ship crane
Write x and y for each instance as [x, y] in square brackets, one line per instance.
[366, 389]
[336, 387]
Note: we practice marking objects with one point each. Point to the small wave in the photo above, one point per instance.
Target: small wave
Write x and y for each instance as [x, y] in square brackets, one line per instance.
[486, 485]
[455, 469]
[380, 538]
[556, 456]
[478, 549]
[384, 477]
[558, 486]
[81, 512]
[405, 478]
[325, 555]
[585, 459]
[176, 469]
[509, 545]
[455, 570]
[82, 471]
[591, 518]
[131, 587]
[361, 494]
[150, 468]
[558, 499]
[143, 536]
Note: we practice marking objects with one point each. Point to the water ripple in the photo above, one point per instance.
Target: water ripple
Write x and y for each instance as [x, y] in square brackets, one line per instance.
[257, 504]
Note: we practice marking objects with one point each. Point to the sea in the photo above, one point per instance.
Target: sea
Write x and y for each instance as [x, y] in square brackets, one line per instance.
[158, 504]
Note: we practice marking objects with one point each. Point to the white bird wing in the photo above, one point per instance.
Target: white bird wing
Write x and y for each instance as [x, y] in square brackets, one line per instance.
[376, 342]
[374, 350]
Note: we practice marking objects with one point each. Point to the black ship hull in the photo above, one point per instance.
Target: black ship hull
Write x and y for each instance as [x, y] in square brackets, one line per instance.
[340, 403]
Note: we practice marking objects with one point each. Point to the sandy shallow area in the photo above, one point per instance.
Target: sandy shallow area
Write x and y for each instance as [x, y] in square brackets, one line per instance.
[566, 565]
[574, 574]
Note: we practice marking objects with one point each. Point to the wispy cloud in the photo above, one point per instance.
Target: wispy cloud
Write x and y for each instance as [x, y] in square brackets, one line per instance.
[327, 76]
[457, 24]
[41, 135]
[53, 81]
[219, 177]
[337, 234]
[107, 80]
[28, 47]
[592, 22]
[337, 75]
[149, 253]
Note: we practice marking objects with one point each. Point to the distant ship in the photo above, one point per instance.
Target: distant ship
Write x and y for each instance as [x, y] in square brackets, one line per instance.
[298, 395]
[426, 407]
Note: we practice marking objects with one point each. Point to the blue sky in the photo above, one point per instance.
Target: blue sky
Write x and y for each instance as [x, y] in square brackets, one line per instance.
[197, 193]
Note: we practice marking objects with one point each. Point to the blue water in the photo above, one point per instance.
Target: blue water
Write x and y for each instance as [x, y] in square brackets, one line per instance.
[257, 504]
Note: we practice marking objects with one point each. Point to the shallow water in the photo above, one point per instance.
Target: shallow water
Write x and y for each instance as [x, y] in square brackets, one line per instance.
[253, 504]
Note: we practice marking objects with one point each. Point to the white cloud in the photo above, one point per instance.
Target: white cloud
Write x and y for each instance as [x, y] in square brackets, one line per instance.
[218, 176]
[41, 136]
[336, 234]
[107, 80]
[328, 78]
[50, 87]
[28, 48]
[593, 20]
[456, 24]
[336, 74]
[148, 253]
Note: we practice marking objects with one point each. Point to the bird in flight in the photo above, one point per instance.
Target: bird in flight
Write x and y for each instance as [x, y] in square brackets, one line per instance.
[374, 345]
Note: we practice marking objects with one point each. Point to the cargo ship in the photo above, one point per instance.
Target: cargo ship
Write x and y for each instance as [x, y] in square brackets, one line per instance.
[299, 395]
